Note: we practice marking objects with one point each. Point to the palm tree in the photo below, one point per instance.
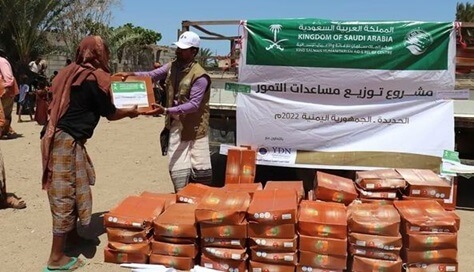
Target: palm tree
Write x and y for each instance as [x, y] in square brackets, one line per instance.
[465, 13]
[204, 57]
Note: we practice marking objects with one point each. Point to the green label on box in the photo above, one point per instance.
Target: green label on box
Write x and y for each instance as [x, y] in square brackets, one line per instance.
[451, 156]
[236, 87]
[128, 87]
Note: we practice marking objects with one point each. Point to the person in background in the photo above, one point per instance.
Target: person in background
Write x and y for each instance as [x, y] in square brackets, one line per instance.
[55, 73]
[8, 90]
[187, 113]
[7, 82]
[23, 98]
[43, 98]
[81, 95]
[68, 61]
[35, 65]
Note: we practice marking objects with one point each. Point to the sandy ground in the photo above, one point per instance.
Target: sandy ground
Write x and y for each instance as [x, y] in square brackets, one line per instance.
[128, 161]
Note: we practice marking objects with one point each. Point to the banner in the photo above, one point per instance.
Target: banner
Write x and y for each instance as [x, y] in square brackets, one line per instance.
[342, 86]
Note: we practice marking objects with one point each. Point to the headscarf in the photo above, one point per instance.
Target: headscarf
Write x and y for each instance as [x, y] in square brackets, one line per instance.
[92, 57]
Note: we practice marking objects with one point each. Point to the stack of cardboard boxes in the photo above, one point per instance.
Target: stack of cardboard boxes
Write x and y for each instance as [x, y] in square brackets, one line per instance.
[322, 229]
[221, 216]
[175, 237]
[272, 219]
[379, 186]
[374, 237]
[129, 229]
[429, 234]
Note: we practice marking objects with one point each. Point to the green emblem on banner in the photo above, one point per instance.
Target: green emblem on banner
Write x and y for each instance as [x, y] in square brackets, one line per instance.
[236, 87]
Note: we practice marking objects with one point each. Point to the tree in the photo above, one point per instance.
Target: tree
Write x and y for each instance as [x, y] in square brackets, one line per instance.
[204, 58]
[465, 13]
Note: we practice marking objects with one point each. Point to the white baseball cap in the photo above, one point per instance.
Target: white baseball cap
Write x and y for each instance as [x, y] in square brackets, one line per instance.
[187, 40]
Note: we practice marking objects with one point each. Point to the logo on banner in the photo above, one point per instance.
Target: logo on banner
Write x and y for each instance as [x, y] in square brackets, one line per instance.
[275, 43]
[418, 41]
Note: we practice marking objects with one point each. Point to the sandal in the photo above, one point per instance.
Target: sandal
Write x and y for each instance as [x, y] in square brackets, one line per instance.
[15, 203]
[72, 265]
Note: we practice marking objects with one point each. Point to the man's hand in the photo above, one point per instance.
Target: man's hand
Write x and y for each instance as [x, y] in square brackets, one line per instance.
[157, 109]
[133, 112]
[124, 75]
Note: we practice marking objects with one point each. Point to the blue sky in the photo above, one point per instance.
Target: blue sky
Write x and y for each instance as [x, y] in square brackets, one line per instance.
[166, 16]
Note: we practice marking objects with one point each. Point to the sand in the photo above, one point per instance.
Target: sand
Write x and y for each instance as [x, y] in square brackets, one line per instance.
[128, 161]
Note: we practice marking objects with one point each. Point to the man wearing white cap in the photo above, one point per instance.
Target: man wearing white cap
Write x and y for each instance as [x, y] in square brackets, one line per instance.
[187, 113]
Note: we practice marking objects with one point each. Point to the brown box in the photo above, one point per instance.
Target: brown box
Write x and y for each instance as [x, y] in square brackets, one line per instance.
[249, 188]
[374, 253]
[285, 258]
[312, 259]
[323, 219]
[275, 244]
[425, 183]
[224, 231]
[376, 241]
[273, 207]
[192, 193]
[136, 212]
[115, 256]
[425, 216]
[177, 221]
[241, 165]
[430, 256]
[436, 267]
[223, 264]
[334, 188]
[180, 250]
[381, 179]
[269, 231]
[373, 219]
[362, 264]
[225, 253]
[224, 242]
[266, 267]
[128, 236]
[170, 198]
[385, 194]
[305, 268]
[142, 248]
[222, 207]
[323, 245]
[296, 184]
[180, 263]
[417, 241]
[456, 218]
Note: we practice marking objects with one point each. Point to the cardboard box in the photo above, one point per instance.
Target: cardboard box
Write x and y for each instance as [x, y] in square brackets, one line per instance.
[223, 264]
[374, 253]
[241, 165]
[322, 245]
[269, 231]
[180, 250]
[295, 184]
[115, 256]
[274, 244]
[322, 219]
[238, 231]
[273, 207]
[170, 198]
[425, 216]
[192, 193]
[285, 258]
[456, 218]
[381, 179]
[436, 267]
[362, 264]
[390, 194]
[334, 188]
[422, 241]
[425, 183]
[129, 236]
[142, 248]
[177, 221]
[225, 253]
[430, 256]
[376, 241]
[249, 188]
[222, 207]
[134, 212]
[224, 242]
[373, 219]
[180, 263]
[304, 268]
[267, 267]
[312, 259]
